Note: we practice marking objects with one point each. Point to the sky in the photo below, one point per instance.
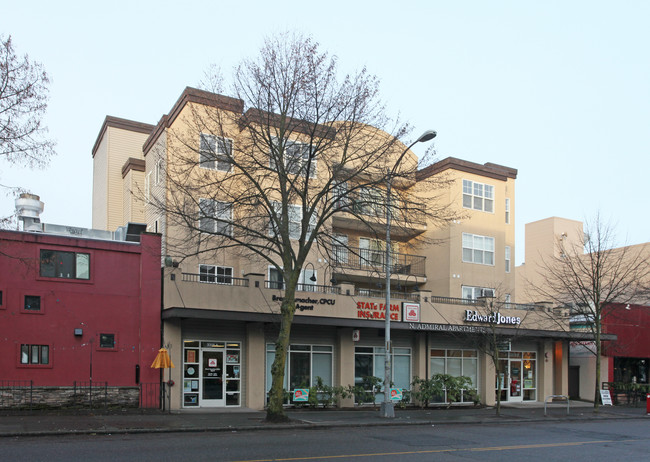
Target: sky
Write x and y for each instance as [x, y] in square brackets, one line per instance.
[559, 90]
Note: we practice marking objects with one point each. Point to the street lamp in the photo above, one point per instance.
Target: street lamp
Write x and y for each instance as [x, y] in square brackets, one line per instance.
[387, 407]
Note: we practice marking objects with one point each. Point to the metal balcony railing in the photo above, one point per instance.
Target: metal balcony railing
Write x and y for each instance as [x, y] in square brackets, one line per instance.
[215, 279]
[355, 258]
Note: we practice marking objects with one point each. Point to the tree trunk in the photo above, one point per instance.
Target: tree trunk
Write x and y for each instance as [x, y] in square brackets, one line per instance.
[598, 351]
[275, 410]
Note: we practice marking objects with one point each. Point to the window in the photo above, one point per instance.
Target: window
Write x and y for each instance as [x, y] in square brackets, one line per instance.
[370, 201]
[507, 211]
[456, 363]
[215, 274]
[215, 217]
[276, 279]
[215, 152]
[106, 340]
[34, 354]
[305, 282]
[67, 265]
[0, 298]
[296, 157]
[159, 171]
[478, 196]
[147, 187]
[478, 249]
[294, 214]
[372, 251]
[369, 362]
[340, 248]
[340, 196]
[304, 364]
[507, 259]
[473, 293]
[33, 302]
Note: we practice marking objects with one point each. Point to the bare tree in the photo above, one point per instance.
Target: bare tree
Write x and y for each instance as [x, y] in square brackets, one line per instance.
[592, 277]
[310, 145]
[23, 102]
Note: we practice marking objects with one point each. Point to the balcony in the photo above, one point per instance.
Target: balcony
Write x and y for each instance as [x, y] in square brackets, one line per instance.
[374, 261]
[405, 224]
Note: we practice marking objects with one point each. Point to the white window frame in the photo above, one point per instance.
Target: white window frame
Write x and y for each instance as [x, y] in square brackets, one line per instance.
[507, 210]
[158, 171]
[215, 152]
[147, 187]
[478, 196]
[295, 220]
[296, 158]
[507, 255]
[215, 217]
[474, 292]
[215, 274]
[478, 249]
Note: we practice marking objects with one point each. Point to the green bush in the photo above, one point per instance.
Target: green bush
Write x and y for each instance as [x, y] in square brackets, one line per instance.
[425, 390]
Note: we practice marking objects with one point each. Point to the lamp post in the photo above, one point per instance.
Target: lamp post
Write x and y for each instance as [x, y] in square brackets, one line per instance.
[387, 407]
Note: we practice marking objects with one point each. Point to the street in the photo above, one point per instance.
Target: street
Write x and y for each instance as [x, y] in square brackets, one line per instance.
[610, 440]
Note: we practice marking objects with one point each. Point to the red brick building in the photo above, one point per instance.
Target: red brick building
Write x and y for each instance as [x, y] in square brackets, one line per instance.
[76, 308]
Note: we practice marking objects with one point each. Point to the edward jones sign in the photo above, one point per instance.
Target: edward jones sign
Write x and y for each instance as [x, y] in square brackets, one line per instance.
[492, 318]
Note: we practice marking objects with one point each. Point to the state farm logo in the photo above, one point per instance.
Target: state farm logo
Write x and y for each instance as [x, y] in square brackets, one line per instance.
[411, 312]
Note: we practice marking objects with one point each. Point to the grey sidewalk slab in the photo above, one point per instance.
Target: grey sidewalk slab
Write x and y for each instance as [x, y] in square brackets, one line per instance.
[38, 423]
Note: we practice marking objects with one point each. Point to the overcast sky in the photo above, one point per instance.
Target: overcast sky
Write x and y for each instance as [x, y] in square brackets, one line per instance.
[559, 90]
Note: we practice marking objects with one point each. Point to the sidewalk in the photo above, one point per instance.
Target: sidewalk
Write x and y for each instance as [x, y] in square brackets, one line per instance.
[48, 423]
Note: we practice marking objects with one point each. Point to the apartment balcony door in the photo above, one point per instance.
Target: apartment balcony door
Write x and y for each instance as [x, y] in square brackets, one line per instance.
[212, 383]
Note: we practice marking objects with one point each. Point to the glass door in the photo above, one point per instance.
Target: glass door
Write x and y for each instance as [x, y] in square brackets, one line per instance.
[515, 380]
[212, 383]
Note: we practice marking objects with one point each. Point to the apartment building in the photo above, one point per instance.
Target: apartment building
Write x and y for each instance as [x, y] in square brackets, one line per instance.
[625, 349]
[449, 284]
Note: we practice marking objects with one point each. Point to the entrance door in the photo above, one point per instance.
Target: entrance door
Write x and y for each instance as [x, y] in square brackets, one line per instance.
[515, 381]
[212, 383]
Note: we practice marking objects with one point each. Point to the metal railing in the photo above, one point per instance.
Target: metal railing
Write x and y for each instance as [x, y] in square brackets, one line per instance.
[151, 395]
[279, 285]
[215, 279]
[456, 301]
[92, 390]
[356, 258]
[373, 293]
[16, 394]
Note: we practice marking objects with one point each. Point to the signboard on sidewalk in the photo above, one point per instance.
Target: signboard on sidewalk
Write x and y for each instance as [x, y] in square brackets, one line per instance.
[605, 397]
[396, 394]
[300, 395]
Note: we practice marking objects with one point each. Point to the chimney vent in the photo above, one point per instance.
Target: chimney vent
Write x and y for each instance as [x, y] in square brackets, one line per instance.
[29, 209]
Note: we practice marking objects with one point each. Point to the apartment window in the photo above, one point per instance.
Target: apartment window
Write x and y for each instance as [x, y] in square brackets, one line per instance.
[215, 152]
[370, 201]
[372, 251]
[147, 187]
[34, 354]
[340, 196]
[215, 274]
[294, 214]
[32, 302]
[0, 299]
[158, 171]
[478, 196]
[215, 217]
[474, 292]
[296, 158]
[276, 279]
[67, 265]
[478, 249]
[507, 259]
[305, 282]
[106, 340]
[304, 364]
[507, 211]
[340, 248]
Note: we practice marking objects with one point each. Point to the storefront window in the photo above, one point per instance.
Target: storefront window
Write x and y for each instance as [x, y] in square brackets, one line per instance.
[304, 364]
[457, 363]
[370, 362]
[517, 376]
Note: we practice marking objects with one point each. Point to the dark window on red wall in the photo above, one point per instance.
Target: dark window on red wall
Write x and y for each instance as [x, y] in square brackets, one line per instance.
[67, 265]
[34, 354]
[33, 302]
[106, 340]
[0, 298]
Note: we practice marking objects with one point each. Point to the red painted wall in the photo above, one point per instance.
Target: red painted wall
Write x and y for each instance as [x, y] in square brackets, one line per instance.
[122, 297]
[631, 324]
